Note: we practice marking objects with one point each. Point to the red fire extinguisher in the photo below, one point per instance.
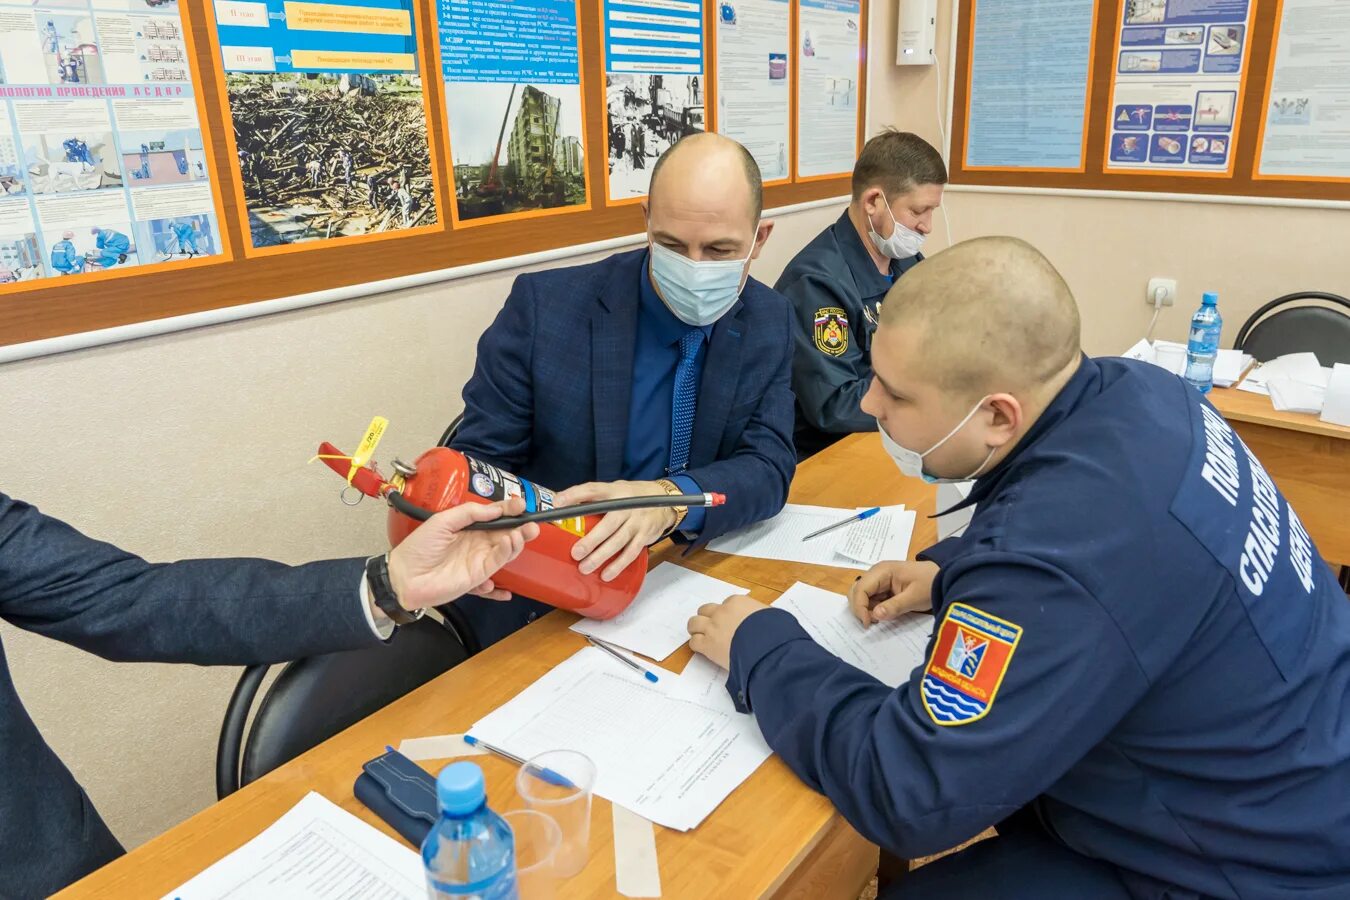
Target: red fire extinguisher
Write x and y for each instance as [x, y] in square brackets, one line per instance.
[545, 570]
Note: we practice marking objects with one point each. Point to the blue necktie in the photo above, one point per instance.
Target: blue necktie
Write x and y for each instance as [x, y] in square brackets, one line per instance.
[686, 398]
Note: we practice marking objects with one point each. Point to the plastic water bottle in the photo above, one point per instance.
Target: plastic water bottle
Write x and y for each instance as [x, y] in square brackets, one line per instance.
[1203, 346]
[470, 853]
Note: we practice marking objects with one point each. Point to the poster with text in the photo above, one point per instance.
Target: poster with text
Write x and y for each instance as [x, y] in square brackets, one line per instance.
[753, 78]
[103, 163]
[1179, 74]
[1306, 123]
[654, 86]
[329, 119]
[829, 51]
[1029, 75]
[513, 103]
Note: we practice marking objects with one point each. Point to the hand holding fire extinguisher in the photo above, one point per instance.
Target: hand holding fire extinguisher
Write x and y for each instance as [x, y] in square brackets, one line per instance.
[441, 560]
[623, 534]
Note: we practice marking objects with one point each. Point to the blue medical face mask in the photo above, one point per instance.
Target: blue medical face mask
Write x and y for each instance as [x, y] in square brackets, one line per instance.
[910, 462]
[698, 293]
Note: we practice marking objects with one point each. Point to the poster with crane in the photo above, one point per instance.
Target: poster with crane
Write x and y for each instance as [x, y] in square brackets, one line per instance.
[513, 101]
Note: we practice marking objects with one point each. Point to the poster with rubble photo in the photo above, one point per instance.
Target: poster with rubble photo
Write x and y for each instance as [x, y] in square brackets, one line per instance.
[329, 121]
[513, 101]
[99, 115]
[655, 86]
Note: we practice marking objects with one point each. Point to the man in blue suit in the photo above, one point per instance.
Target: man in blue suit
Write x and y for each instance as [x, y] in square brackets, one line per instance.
[56, 582]
[665, 369]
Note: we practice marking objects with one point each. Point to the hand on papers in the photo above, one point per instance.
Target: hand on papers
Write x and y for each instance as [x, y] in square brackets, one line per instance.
[711, 631]
[890, 589]
[622, 535]
[440, 561]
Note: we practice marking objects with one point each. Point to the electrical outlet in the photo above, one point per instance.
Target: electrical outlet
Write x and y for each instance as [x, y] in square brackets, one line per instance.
[1168, 287]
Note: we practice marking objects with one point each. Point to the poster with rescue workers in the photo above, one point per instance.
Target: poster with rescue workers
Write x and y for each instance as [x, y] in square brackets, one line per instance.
[104, 168]
[1181, 66]
[329, 121]
[655, 86]
[513, 103]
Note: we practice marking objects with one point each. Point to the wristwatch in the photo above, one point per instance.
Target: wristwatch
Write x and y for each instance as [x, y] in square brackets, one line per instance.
[673, 490]
[382, 591]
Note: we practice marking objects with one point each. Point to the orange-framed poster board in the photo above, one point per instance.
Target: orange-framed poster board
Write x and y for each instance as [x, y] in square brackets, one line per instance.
[654, 56]
[1030, 79]
[752, 46]
[329, 114]
[106, 167]
[515, 98]
[829, 49]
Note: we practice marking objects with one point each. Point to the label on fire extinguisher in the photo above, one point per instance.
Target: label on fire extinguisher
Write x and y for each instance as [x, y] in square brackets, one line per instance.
[492, 483]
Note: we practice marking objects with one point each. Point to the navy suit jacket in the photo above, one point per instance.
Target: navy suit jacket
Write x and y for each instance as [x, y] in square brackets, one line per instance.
[550, 391]
[57, 582]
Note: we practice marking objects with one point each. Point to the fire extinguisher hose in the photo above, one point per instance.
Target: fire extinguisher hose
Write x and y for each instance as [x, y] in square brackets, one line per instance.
[599, 507]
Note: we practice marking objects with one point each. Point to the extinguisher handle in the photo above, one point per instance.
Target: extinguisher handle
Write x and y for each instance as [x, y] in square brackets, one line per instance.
[599, 507]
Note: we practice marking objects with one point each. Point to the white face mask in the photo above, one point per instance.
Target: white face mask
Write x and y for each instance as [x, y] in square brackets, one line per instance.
[903, 242]
[698, 293]
[910, 462]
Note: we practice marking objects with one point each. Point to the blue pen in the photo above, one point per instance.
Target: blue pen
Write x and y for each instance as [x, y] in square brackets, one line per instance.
[548, 775]
[857, 517]
[601, 645]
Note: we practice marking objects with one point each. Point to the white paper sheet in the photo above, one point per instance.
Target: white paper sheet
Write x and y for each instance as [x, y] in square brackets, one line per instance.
[637, 871]
[1302, 367]
[781, 537]
[889, 651]
[668, 760]
[705, 683]
[316, 851]
[655, 623]
[1336, 406]
[1288, 395]
[885, 535]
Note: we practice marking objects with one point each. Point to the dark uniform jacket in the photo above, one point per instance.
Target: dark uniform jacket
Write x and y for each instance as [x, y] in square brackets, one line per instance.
[1135, 633]
[836, 293]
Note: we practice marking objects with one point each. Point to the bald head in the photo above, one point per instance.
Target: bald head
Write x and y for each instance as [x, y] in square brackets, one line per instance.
[709, 173]
[987, 314]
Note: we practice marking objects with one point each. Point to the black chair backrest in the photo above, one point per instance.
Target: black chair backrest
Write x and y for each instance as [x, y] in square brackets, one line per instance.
[450, 431]
[1282, 327]
[315, 698]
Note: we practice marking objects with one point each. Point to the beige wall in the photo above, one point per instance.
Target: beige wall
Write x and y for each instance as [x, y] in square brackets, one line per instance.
[195, 444]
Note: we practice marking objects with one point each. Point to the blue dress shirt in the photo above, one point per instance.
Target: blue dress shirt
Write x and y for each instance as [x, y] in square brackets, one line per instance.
[656, 353]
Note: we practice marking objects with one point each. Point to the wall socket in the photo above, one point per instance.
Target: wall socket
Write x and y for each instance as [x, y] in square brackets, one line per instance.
[1168, 286]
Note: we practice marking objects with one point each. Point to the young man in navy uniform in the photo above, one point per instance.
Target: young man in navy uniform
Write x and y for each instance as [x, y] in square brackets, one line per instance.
[837, 281]
[1140, 665]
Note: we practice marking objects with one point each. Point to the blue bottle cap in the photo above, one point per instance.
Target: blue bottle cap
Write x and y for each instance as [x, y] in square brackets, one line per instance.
[459, 788]
[1210, 299]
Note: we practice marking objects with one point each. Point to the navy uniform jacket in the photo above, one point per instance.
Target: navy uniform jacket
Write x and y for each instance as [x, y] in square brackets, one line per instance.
[1136, 629]
[56, 582]
[836, 293]
[549, 396]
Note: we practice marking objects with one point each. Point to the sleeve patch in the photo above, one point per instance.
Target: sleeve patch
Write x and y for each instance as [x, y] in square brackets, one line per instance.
[970, 658]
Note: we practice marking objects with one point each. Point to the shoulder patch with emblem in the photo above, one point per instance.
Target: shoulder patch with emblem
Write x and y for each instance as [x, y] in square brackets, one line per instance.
[969, 660]
[831, 330]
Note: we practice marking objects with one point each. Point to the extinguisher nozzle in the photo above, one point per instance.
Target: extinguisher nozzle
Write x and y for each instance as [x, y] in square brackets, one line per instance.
[714, 499]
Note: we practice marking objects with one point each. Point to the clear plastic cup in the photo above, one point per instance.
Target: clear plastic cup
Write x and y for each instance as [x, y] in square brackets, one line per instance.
[537, 839]
[559, 784]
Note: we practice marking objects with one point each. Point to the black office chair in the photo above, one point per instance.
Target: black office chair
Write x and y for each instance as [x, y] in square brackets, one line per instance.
[1281, 327]
[315, 698]
[450, 431]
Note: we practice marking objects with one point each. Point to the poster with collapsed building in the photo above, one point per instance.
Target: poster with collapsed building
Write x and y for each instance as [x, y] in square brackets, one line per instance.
[513, 101]
[329, 120]
[103, 162]
[655, 86]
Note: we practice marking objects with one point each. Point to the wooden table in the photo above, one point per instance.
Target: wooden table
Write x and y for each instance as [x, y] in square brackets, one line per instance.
[773, 837]
[1308, 459]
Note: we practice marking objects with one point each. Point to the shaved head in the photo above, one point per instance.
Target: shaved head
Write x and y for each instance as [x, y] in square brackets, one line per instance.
[712, 171]
[985, 315]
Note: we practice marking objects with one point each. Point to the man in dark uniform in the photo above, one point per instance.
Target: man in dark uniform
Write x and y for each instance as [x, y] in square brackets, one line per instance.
[1140, 665]
[837, 281]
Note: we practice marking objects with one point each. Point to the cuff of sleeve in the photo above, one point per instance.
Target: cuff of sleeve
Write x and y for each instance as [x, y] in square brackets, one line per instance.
[693, 520]
[759, 635]
[384, 628]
